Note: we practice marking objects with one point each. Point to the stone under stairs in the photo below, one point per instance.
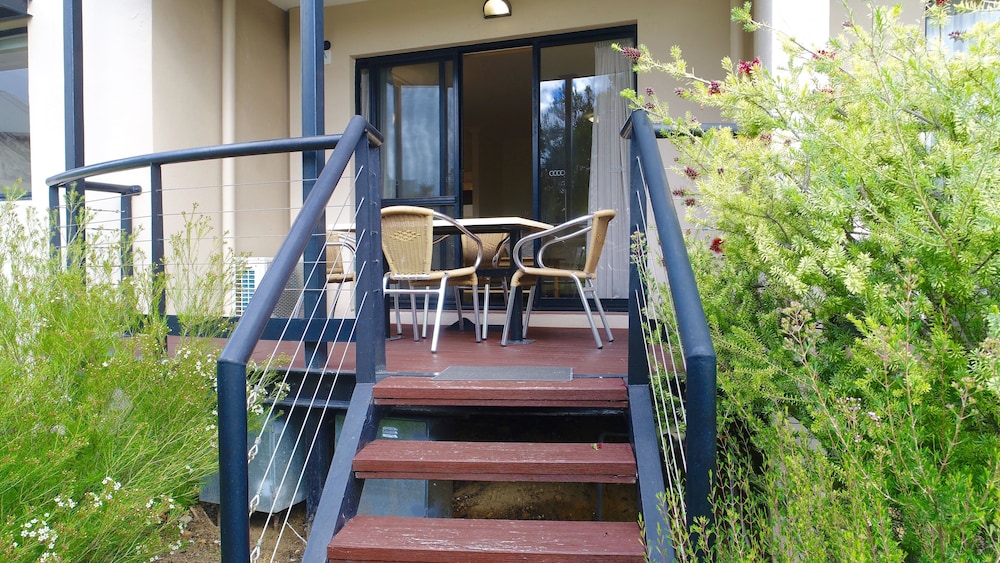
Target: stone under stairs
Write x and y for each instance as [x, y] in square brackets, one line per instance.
[554, 458]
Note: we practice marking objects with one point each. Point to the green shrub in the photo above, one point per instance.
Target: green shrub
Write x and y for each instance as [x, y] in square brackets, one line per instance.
[106, 437]
[849, 264]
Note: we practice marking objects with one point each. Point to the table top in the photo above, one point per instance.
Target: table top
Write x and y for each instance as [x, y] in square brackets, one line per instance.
[477, 224]
[492, 224]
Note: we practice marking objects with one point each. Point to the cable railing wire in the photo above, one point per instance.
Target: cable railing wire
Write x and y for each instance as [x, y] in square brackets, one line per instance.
[691, 411]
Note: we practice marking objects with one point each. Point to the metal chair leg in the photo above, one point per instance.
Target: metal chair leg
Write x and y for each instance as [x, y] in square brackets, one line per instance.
[527, 311]
[437, 318]
[458, 310]
[486, 309]
[506, 322]
[399, 322]
[600, 309]
[413, 308]
[590, 315]
[427, 304]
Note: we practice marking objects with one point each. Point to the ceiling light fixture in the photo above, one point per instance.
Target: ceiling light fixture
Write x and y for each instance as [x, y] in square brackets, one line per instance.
[496, 9]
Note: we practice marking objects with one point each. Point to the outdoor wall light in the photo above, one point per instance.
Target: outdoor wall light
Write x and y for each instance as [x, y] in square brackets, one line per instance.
[496, 9]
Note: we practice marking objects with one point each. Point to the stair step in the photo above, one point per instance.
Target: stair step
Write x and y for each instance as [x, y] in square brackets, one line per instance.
[384, 539]
[496, 461]
[590, 392]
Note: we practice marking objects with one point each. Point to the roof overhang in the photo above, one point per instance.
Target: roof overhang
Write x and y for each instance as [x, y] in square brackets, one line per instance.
[289, 4]
[13, 9]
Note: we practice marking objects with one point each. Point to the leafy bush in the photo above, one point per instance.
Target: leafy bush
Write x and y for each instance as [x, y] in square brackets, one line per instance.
[106, 437]
[852, 282]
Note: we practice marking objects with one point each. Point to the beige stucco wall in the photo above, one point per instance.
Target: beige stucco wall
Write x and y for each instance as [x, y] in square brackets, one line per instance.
[840, 10]
[188, 106]
[261, 113]
[376, 27]
[187, 101]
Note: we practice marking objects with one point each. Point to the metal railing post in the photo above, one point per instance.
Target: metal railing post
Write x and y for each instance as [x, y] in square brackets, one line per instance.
[158, 249]
[696, 340]
[369, 304]
[234, 480]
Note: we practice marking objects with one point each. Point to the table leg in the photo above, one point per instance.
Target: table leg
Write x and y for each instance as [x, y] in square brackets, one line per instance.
[515, 336]
[516, 320]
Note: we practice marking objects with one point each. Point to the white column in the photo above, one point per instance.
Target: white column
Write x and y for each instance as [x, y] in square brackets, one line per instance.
[229, 120]
[808, 21]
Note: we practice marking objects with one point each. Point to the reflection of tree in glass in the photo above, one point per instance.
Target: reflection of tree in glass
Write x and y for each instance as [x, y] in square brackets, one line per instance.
[565, 135]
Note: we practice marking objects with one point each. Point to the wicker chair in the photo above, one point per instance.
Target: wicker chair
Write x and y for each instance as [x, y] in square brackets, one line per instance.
[408, 246]
[528, 274]
[495, 246]
[340, 252]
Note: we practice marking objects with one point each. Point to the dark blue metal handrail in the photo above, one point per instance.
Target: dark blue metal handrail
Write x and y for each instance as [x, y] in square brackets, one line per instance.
[249, 148]
[75, 179]
[234, 520]
[696, 341]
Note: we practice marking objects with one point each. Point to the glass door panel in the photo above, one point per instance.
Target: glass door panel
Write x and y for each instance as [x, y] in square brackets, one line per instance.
[565, 117]
[417, 105]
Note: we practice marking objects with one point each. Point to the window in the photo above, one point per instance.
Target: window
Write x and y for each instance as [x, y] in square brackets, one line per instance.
[15, 161]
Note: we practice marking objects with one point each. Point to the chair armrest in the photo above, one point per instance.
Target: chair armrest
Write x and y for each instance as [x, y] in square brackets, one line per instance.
[464, 231]
[559, 233]
[338, 246]
[504, 245]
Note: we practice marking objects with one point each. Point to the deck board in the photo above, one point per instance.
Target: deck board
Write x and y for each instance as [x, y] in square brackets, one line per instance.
[593, 392]
[550, 347]
[496, 461]
[384, 539]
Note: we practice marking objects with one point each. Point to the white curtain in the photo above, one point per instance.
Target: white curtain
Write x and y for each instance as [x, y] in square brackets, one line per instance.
[609, 168]
[958, 23]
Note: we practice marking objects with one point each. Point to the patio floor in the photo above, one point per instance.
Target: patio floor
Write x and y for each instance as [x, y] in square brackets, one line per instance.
[547, 347]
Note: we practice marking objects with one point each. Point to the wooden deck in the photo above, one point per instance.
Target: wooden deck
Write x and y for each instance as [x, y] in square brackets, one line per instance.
[548, 347]
[572, 348]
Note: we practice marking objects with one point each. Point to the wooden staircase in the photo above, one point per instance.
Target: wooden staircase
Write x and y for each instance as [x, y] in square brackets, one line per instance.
[560, 459]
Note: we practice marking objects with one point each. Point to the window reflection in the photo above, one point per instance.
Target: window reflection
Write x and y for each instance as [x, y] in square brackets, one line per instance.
[413, 152]
[15, 162]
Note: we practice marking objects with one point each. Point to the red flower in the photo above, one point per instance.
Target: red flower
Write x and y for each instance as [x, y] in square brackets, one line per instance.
[748, 68]
[690, 172]
[716, 245]
[632, 53]
[714, 88]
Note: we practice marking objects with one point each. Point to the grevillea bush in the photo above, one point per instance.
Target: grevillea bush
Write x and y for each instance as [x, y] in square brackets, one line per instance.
[106, 438]
[848, 256]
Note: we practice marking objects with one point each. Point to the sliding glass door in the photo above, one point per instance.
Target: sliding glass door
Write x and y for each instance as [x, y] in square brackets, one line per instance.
[582, 164]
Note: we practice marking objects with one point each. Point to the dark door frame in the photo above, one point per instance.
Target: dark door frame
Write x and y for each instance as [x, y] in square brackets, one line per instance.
[370, 66]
